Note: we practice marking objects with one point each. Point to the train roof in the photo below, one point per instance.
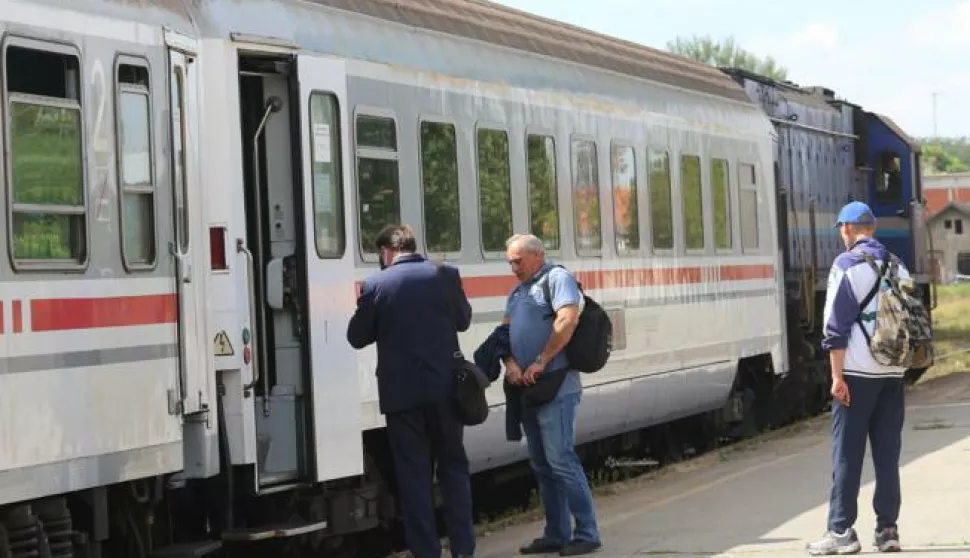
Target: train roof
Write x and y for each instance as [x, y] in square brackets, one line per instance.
[503, 26]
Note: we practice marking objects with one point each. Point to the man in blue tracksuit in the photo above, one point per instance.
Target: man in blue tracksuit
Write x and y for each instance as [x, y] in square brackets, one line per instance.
[867, 397]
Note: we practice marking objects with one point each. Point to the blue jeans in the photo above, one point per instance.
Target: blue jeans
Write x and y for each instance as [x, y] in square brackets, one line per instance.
[876, 411]
[563, 487]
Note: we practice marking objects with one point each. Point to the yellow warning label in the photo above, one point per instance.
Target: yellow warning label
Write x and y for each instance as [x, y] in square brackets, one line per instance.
[223, 346]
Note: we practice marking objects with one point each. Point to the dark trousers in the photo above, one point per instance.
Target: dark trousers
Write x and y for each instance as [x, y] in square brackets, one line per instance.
[876, 411]
[432, 434]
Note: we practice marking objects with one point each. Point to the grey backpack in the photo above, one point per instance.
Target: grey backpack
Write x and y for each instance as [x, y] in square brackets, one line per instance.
[903, 333]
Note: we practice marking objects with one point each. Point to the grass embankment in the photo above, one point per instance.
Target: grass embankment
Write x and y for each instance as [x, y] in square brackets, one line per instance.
[951, 332]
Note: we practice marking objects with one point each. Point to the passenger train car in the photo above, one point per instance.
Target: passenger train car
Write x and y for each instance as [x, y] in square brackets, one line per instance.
[193, 188]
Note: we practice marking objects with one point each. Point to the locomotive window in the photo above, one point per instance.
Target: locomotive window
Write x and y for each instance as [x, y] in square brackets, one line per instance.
[378, 188]
[137, 184]
[46, 170]
[626, 220]
[722, 204]
[661, 211]
[439, 177]
[690, 184]
[494, 189]
[748, 192]
[328, 203]
[543, 194]
[586, 196]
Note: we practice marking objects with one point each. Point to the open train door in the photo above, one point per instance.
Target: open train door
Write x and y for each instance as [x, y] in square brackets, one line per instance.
[335, 387]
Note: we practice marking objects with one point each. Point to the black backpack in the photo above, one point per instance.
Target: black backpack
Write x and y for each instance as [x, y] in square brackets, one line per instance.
[592, 341]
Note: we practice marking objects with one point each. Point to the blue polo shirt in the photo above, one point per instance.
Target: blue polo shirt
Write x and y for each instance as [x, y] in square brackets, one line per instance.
[531, 320]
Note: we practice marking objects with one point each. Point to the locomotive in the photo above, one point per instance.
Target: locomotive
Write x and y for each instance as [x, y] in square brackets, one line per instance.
[193, 188]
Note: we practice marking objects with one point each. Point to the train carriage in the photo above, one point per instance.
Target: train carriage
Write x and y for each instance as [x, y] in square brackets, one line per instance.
[193, 191]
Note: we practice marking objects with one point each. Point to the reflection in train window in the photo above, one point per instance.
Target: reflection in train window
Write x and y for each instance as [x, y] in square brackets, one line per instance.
[626, 219]
[328, 200]
[46, 168]
[586, 196]
[494, 189]
[136, 173]
[439, 178]
[690, 186]
[378, 188]
[721, 194]
[543, 200]
[661, 211]
[748, 192]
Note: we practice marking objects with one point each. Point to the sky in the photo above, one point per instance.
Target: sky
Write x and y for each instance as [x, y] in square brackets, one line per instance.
[887, 56]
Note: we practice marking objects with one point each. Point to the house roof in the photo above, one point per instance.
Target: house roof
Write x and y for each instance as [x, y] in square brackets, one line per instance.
[962, 208]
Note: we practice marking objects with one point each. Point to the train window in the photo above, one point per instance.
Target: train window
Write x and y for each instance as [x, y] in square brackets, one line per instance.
[179, 135]
[722, 204]
[661, 210]
[690, 184]
[543, 194]
[439, 176]
[328, 202]
[748, 192]
[135, 160]
[494, 189]
[586, 196]
[626, 220]
[46, 167]
[378, 188]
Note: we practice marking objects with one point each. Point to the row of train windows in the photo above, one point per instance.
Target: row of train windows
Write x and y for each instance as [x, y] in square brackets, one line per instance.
[378, 191]
[46, 169]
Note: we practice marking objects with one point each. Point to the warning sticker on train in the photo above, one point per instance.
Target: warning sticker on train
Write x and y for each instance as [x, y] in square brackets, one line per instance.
[223, 345]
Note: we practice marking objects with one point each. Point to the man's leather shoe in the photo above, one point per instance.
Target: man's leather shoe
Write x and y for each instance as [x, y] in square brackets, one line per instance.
[578, 547]
[541, 546]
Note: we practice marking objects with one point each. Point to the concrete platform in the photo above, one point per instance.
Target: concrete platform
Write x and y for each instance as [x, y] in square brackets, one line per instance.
[769, 498]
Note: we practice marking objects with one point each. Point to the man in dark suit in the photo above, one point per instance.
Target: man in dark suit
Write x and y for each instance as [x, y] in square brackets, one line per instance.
[412, 313]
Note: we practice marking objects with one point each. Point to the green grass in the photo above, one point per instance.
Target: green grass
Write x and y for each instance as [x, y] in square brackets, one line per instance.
[951, 331]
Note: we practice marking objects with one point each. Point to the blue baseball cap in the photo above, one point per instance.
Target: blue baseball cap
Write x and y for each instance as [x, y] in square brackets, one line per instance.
[856, 213]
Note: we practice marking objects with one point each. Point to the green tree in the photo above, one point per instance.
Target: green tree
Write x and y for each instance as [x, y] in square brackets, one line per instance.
[725, 53]
[945, 155]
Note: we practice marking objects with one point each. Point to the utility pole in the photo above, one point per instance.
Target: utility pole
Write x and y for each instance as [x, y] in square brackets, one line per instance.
[935, 134]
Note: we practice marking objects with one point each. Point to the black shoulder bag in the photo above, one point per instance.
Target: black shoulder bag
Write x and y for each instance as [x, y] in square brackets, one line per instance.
[470, 382]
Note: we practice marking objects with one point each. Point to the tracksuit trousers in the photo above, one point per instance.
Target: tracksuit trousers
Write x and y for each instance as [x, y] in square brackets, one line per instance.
[876, 411]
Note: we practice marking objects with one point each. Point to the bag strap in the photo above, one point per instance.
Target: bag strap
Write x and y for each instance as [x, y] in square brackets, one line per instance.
[880, 273]
[545, 288]
[440, 273]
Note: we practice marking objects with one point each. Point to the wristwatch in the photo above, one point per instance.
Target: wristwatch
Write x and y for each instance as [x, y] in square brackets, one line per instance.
[539, 361]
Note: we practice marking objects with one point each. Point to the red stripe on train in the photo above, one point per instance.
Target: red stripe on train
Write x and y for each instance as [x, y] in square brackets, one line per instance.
[500, 285]
[58, 314]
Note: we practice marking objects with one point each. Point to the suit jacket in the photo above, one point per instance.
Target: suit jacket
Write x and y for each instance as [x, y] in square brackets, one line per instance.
[413, 318]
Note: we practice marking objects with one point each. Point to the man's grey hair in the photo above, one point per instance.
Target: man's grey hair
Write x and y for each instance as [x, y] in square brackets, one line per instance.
[530, 243]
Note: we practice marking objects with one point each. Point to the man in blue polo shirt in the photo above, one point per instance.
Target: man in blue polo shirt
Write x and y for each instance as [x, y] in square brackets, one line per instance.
[867, 397]
[537, 336]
